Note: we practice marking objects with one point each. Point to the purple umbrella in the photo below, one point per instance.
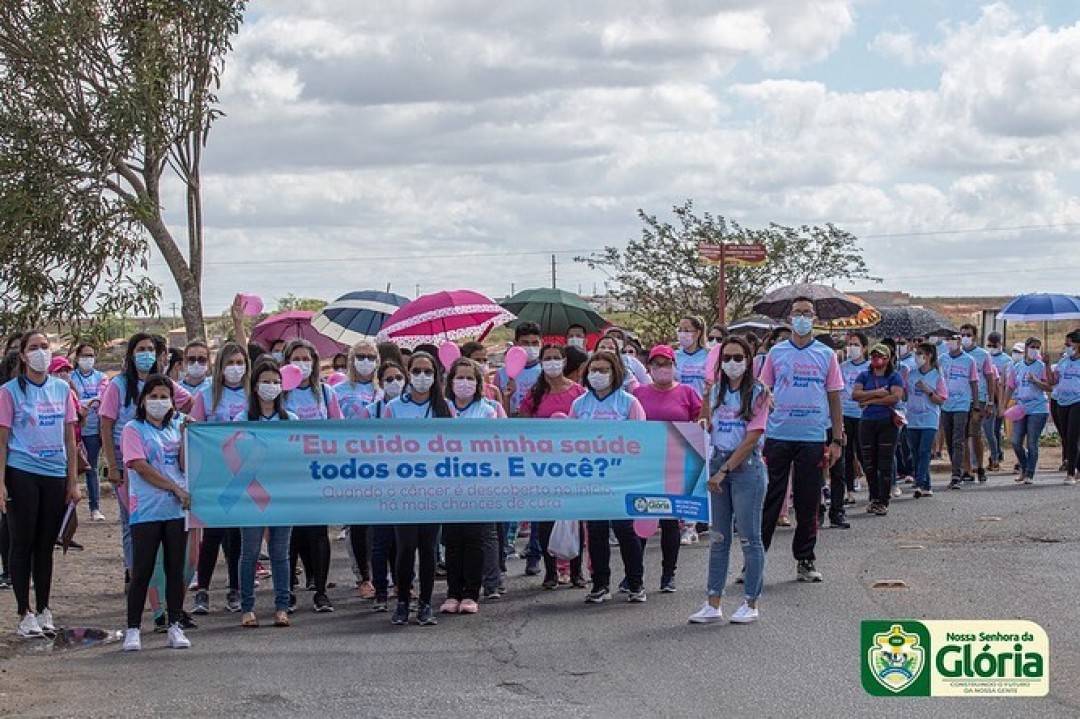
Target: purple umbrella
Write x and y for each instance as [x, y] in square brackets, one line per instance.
[829, 303]
[294, 325]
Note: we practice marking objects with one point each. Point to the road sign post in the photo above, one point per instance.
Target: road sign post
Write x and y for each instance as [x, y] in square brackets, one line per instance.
[729, 253]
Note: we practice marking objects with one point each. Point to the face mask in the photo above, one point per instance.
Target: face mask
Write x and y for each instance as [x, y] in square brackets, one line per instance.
[145, 361]
[485, 368]
[578, 342]
[422, 382]
[734, 369]
[854, 352]
[553, 368]
[967, 342]
[305, 369]
[532, 354]
[234, 374]
[599, 381]
[802, 326]
[158, 408]
[663, 375]
[269, 391]
[952, 345]
[464, 388]
[995, 351]
[196, 372]
[902, 349]
[86, 364]
[364, 367]
[921, 360]
[279, 357]
[393, 388]
[686, 339]
[1017, 356]
[1032, 353]
[878, 362]
[713, 343]
[39, 359]
[1070, 352]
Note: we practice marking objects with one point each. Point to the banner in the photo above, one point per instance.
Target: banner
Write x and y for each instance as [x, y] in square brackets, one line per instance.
[265, 474]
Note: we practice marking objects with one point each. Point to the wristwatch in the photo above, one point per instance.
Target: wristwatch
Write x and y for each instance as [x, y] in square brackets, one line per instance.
[837, 442]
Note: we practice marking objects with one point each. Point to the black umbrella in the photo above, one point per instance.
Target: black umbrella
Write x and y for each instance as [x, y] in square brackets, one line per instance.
[911, 322]
[829, 303]
[754, 322]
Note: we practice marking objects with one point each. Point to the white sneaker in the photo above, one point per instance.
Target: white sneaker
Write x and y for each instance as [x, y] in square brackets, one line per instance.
[707, 615]
[744, 615]
[29, 627]
[1070, 480]
[897, 492]
[97, 516]
[132, 640]
[689, 536]
[45, 621]
[177, 640]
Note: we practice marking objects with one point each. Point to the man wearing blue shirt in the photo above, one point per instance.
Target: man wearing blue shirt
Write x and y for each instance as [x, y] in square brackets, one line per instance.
[961, 378]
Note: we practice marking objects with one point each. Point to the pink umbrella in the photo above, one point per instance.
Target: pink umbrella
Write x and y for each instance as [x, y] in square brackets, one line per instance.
[435, 318]
[294, 325]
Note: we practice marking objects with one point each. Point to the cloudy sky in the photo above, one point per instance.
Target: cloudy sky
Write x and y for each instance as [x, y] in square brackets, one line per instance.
[450, 143]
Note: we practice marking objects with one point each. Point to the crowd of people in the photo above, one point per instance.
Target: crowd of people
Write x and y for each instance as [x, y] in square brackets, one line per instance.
[792, 420]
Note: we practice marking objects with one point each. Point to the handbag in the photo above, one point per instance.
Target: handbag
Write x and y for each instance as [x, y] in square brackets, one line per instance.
[565, 541]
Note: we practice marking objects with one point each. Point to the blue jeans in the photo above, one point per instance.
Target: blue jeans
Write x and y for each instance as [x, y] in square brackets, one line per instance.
[992, 431]
[278, 546]
[741, 499]
[921, 442]
[1030, 428]
[383, 555]
[92, 445]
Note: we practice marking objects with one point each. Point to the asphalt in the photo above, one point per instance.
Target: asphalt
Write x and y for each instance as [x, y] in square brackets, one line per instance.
[986, 552]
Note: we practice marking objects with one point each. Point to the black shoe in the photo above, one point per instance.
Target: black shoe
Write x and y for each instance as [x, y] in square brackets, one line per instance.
[839, 522]
[232, 601]
[598, 595]
[532, 568]
[550, 583]
[440, 569]
[5, 581]
[968, 477]
[954, 483]
[981, 473]
[667, 584]
[309, 587]
[187, 621]
[322, 603]
[401, 614]
[380, 604]
[578, 582]
[425, 617]
[72, 545]
[292, 602]
[161, 624]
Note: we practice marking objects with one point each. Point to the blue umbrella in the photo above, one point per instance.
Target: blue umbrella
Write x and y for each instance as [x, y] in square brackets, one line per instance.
[1041, 307]
[357, 315]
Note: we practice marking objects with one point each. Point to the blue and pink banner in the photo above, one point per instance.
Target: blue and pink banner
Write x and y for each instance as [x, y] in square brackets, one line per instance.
[268, 474]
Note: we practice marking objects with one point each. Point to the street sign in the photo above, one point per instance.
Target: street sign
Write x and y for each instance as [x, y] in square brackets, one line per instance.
[732, 253]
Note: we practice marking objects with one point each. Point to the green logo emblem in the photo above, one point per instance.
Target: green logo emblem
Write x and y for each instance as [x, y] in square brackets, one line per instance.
[896, 658]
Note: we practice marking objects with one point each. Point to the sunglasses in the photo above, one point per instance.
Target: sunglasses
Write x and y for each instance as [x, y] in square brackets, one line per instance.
[716, 339]
[424, 372]
[732, 358]
[367, 357]
[339, 368]
[197, 360]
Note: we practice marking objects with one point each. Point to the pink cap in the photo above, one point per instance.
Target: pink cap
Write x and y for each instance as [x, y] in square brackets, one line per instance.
[662, 351]
[59, 363]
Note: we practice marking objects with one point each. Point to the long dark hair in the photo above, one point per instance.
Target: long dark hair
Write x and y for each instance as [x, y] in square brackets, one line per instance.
[439, 406]
[618, 374]
[749, 383]
[129, 372]
[541, 386]
[265, 363]
[218, 385]
[153, 382]
[316, 371]
[474, 367]
[930, 351]
[20, 367]
[9, 366]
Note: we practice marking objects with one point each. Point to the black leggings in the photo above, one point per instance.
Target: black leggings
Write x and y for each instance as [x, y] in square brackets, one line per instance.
[35, 512]
[1068, 424]
[878, 438]
[669, 546]
[464, 559]
[413, 538]
[5, 542]
[212, 539]
[551, 564]
[146, 538]
[852, 451]
[312, 545]
[358, 537]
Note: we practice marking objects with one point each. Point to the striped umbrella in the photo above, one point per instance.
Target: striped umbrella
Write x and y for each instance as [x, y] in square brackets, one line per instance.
[435, 318]
[864, 319]
[357, 315]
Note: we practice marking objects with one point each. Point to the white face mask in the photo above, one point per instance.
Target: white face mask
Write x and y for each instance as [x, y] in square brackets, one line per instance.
[922, 360]
[485, 368]
[364, 367]
[1017, 356]
[967, 342]
[995, 351]
[686, 339]
[952, 345]
[304, 367]
[578, 342]
[554, 368]
[158, 408]
[196, 371]
[1033, 353]
[39, 359]
[393, 388]
[902, 349]
[713, 343]
[422, 382]
[1070, 352]
[464, 388]
[269, 391]
[854, 352]
[234, 373]
[734, 369]
[86, 364]
[532, 354]
[599, 381]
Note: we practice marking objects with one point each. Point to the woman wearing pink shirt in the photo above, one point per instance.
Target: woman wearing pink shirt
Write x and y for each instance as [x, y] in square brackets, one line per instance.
[666, 400]
[38, 475]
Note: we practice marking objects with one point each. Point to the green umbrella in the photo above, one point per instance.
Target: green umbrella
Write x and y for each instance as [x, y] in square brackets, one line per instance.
[554, 310]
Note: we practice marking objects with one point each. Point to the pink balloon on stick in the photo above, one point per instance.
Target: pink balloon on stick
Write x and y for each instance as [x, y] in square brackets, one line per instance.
[559, 415]
[252, 305]
[514, 362]
[712, 362]
[645, 528]
[336, 378]
[1015, 413]
[291, 377]
[448, 352]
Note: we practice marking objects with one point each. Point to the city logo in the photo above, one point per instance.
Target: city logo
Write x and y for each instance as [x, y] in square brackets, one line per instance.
[962, 658]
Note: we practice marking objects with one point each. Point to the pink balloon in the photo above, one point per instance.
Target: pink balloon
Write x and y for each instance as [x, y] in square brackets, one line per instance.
[336, 378]
[559, 415]
[448, 352]
[645, 528]
[514, 362]
[291, 377]
[1015, 413]
[252, 305]
[712, 362]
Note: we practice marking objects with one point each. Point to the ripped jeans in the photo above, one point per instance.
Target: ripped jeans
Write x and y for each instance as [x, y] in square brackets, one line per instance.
[739, 501]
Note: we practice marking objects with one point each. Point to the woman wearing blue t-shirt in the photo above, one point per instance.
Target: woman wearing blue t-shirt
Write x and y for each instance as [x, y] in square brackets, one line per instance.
[877, 391]
[1029, 383]
[926, 392]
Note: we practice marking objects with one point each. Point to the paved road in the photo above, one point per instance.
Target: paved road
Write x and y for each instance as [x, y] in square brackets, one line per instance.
[544, 654]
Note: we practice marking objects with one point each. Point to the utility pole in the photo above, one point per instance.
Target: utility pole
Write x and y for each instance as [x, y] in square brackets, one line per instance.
[172, 324]
[418, 290]
[513, 289]
[554, 285]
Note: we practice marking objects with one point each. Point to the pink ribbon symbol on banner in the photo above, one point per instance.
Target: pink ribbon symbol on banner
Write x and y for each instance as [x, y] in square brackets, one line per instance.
[244, 454]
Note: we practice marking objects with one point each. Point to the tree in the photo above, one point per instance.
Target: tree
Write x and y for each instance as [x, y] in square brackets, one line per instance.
[291, 302]
[98, 98]
[660, 276]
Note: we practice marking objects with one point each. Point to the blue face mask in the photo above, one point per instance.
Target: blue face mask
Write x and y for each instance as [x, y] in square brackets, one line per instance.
[145, 361]
[802, 326]
[279, 357]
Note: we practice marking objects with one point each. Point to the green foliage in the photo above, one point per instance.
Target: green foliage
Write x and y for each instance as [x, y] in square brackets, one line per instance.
[291, 302]
[660, 276]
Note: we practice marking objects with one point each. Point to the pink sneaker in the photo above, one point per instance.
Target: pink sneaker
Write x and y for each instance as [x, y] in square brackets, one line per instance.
[469, 606]
[451, 606]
